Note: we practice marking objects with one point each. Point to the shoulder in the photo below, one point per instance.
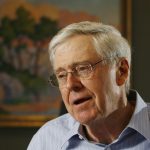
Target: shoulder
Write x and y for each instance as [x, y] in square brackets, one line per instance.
[148, 105]
[148, 108]
[57, 127]
[64, 121]
[52, 133]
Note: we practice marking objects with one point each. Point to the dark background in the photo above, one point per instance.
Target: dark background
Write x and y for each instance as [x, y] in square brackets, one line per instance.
[18, 138]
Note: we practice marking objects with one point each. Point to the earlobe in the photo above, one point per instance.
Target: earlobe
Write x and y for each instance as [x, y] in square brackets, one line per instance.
[122, 72]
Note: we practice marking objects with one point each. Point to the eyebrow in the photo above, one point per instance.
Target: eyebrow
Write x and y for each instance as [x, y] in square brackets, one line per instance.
[73, 65]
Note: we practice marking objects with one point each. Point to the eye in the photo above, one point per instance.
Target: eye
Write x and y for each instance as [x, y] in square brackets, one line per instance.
[83, 68]
[61, 75]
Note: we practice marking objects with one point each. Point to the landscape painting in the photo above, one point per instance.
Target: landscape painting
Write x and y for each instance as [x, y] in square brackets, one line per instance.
[26, 28]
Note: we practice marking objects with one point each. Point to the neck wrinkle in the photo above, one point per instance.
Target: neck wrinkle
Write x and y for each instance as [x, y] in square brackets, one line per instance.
[108, 130]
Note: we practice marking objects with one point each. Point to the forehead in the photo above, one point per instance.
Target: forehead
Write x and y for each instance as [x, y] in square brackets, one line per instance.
[76, 49]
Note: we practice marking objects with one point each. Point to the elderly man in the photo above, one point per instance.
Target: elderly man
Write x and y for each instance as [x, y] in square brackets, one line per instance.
[91, 63]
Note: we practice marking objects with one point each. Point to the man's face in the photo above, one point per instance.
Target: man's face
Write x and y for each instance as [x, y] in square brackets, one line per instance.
[86, 99]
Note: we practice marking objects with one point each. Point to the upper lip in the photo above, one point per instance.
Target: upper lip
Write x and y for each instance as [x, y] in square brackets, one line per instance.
[81, 100]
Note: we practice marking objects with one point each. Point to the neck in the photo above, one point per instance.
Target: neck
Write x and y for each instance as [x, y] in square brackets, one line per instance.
[108, 129]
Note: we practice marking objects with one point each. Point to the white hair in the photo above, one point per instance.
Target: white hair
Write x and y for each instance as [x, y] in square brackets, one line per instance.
[107, 40]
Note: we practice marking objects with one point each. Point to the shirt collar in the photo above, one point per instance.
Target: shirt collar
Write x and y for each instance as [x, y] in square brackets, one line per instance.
[74, 131]
[140, 118]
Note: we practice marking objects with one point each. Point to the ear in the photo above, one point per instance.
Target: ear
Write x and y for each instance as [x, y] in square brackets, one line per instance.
[122, 71]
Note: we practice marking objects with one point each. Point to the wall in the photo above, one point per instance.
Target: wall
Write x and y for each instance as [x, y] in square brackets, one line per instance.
[141, 47]
[18, 138]
[15, 138]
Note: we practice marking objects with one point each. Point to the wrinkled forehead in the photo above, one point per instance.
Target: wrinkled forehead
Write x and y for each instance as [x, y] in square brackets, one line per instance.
[74, 50]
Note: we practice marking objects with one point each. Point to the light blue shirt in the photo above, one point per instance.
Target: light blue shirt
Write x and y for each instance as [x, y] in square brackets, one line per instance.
[65, 133]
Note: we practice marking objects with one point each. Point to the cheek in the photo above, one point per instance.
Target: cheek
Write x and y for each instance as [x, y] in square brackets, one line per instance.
[65, 96]
[107, 79]
[98, 89]
[97, 83]
[100, 85]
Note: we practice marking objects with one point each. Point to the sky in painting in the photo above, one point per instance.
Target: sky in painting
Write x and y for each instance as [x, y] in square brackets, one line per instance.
[107, 10]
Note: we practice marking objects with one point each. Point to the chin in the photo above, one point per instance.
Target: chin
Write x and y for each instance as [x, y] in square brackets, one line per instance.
[85, 118]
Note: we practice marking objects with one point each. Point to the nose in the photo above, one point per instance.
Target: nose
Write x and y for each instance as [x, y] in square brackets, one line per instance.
[73, 82]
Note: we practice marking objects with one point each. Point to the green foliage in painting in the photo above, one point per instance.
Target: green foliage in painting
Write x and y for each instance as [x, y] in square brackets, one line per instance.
[21, 47]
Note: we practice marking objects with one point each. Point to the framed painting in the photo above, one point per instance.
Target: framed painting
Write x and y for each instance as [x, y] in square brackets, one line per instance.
[26, 98]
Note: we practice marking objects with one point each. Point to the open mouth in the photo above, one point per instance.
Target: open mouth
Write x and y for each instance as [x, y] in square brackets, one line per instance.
[82, 100]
